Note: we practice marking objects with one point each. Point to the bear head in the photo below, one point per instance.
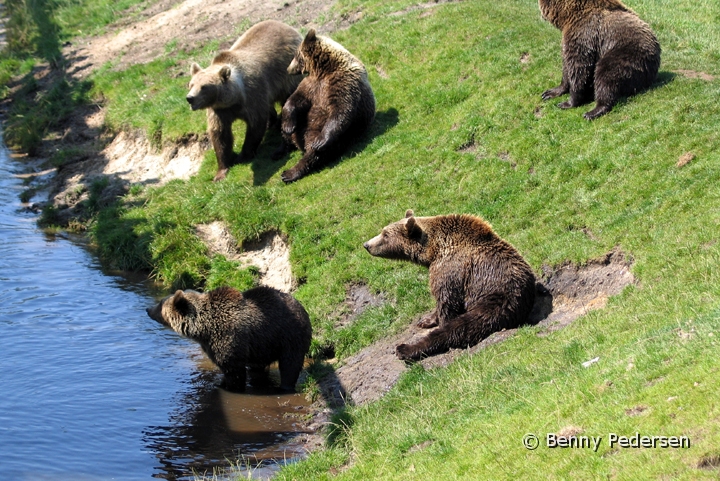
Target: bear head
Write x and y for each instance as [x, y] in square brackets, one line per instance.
[403, 240]
[180, 312]
[215, 87]
[318, 54]
[561, 12]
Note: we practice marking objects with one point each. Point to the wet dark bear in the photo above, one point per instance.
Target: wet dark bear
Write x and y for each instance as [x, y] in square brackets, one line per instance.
[237, 329]
[480, 282]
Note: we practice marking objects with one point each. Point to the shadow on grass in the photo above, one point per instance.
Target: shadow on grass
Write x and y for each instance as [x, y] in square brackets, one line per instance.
[264, 168]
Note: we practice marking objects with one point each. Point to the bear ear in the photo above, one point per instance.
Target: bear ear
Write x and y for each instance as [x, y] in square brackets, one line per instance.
[409, 213]
[195, 68]
[413, 229]
[311, 37]
[225, 72]
[180, 303]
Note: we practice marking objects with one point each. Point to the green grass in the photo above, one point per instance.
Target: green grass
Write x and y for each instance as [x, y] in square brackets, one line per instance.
[542, 176]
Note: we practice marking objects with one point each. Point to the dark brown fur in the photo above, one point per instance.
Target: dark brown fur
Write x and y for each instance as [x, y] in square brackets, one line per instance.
[608, 52]
[331, 107]
[244, 83]
[238, 329]
[481, 284]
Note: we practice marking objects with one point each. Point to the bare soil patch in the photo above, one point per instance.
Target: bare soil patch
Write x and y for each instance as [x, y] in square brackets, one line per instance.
[270, 254]
[692, 74]
[358, 299]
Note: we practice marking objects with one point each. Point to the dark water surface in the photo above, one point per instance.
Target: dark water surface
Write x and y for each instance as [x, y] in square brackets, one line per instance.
[93, 389]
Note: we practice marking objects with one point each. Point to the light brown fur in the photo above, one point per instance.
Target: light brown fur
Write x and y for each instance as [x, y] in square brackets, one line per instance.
[244, 83]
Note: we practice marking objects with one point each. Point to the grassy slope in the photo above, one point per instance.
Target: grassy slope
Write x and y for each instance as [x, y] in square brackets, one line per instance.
[451, 78]
[456, 75]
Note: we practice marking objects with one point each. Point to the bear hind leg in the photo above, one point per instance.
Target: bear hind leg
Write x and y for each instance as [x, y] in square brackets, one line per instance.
[620, 73]
[462, 331]
[319, 151]
[290, 367]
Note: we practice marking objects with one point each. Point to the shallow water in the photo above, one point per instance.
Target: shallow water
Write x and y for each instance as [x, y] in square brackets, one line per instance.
[92, 388]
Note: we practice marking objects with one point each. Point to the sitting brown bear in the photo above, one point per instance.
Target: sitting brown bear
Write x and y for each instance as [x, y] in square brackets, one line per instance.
[608, 52]
[331, 107]
[480, 282]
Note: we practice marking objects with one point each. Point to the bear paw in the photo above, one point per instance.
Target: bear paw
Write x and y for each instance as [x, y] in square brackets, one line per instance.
[427, 322]
[220, 175]
[405, 352]
[554, 92]
[291, 175]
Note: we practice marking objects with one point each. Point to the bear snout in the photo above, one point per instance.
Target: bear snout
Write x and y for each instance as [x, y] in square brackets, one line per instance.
[191, 100]
[367, 246]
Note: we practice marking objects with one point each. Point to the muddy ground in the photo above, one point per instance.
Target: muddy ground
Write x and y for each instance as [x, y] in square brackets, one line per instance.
[564, 293]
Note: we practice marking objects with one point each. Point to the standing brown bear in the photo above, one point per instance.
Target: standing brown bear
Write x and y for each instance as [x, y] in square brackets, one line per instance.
[238, 329]
[244, 83]
[608, 52]
[481, 284]
[331, 107]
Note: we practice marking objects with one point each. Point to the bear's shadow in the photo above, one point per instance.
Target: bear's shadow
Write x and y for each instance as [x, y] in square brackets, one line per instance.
[264, 167]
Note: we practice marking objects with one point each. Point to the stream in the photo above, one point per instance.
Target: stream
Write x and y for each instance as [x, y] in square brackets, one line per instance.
[93, 389]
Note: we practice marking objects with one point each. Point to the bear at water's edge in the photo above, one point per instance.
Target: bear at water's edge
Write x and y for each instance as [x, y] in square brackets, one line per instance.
[237, 329]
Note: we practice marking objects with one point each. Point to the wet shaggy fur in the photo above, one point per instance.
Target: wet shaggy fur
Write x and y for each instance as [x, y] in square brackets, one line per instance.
[331, 107]
[608, 52]
[481, 284]
[244, 83]
[237, 329]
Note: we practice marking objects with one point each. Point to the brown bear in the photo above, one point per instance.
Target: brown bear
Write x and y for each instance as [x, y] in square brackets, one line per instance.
[608, 52]
[244, 83]
[238, 329]
[331, 107]
[481, 284]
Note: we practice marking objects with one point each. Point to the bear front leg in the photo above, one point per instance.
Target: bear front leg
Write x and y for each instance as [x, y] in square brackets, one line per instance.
[579, 73]
[561, 89]
[254, 134]
[221, 137]
[290, 365]
[235, 379]
[258, 375]
[294, 114]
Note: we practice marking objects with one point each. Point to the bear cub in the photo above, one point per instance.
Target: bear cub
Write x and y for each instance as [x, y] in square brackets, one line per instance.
[331, 107]
[608, 52]
[480, 282]
[244, 83]
[237, 329]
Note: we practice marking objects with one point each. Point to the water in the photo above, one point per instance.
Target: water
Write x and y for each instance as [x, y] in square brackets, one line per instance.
[93, 389]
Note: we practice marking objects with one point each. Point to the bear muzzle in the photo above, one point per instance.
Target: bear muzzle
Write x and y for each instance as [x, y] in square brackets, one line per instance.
[191, 100]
